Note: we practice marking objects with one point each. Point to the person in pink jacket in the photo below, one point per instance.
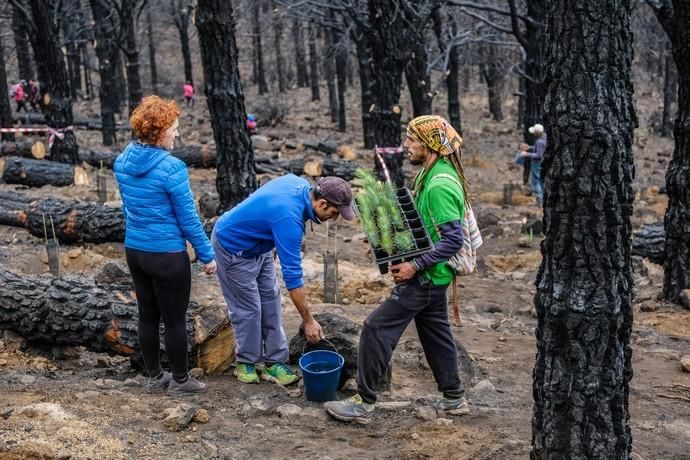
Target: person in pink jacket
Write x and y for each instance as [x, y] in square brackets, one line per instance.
[189, 93]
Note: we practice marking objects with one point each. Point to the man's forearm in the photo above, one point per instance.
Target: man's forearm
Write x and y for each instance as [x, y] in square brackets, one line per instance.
[299, 298]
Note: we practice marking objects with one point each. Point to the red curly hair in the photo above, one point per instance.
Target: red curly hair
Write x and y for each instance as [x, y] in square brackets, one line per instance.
[152, 117]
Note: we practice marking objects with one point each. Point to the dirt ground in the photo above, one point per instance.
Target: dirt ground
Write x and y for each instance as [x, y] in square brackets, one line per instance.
[83, 405]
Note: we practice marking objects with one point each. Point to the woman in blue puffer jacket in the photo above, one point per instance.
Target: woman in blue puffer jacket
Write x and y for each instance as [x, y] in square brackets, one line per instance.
[160, 216]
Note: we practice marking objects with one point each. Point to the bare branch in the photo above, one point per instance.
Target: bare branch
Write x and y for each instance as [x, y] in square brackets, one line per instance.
[486, 21]
[514, 23]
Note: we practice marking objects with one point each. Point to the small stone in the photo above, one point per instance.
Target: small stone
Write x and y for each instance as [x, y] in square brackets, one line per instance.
[189, 438]
[393, 405]
[75, 252]
[108, 384]
[3, 362]
[649, 307]
[414, 436]
[179, 417]
[289, 410]
[196, 372]
[502, 339]
[102, 362]
[345, 301]
[201, 416]
[685, 363]
[484, 385]
[27, 379]
[426, 413]
[131, 383]
[443, 421]
[296, 393]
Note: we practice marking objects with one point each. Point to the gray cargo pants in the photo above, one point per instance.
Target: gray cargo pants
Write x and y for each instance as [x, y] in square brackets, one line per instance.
[252, 295]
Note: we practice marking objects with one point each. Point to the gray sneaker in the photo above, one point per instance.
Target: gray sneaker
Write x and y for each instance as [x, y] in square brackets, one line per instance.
[159, 385]
[452, 406]
[352, 409]
[189, 388]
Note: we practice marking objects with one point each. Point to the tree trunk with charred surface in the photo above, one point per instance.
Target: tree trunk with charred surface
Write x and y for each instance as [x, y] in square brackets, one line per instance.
[36, 173]
[5, 108]
[585, 283]
[74, 221]
[56, 101]
[225, 99]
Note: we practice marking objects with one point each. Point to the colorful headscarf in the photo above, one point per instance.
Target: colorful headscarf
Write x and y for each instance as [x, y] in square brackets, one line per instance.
[436, 133]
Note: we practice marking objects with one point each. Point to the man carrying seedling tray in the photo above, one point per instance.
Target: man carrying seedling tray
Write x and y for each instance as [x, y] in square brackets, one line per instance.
[440, 193]
[273, 217]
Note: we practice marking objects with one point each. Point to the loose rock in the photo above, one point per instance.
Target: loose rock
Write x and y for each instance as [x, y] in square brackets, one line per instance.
[201, 416]
[426, 413]
[289, 410]
[179, 417]
[685, 363]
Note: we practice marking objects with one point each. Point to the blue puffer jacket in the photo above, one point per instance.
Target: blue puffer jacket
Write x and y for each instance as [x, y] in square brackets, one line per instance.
[157, 202]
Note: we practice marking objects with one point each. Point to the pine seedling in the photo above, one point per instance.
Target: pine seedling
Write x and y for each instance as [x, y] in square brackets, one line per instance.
[404, 241]
[366, 214]
[385, 229]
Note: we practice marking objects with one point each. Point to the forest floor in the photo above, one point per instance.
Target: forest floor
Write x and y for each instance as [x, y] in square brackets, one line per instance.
[92, 406]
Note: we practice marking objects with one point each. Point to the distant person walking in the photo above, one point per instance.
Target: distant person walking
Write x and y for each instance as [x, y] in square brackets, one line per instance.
[19, 94]
[189, 93]
[34, 95]
[535, 154]
[160, 214]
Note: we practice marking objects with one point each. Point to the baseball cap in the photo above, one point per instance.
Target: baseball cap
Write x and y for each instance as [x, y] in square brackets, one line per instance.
[537, 128]
[337, 191]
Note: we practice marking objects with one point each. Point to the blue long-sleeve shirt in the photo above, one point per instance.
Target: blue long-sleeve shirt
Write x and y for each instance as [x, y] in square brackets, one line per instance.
[536, 152]
[450, 243]
[273, 216]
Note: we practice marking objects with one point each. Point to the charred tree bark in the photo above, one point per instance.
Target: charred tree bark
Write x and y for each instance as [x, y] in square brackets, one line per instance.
[650, 241]
[5, 107]
[494, 76]
[300, 54]
[152, 51]
[277, 21]
[181, 12]
[313, 65]
[36, 173]
[394, 31]
[56, 100]
[329, 72]
[419, 81]
[670, 91]
[106, 30]
[258, 49]
[366, 85]
[72, 32]
[225, 98]
[675, 18]
[88, 86]
[20, 29]
[74, 221]
[341, 77]
[18, 149]
[443, 33]
[585, 283]
[131, 50]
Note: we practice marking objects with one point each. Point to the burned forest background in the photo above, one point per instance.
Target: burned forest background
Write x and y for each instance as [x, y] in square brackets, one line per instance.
[576, 336]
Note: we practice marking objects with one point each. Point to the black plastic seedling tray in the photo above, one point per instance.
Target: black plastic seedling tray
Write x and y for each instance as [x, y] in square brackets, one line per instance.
[413, 222]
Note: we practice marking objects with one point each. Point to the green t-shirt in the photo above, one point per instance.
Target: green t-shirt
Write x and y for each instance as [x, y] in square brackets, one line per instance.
[439, 201]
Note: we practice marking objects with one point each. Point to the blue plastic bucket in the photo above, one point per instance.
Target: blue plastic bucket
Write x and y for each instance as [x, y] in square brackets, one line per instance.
[321, 373]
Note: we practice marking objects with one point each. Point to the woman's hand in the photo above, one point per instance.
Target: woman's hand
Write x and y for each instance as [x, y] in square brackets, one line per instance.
[210, 268]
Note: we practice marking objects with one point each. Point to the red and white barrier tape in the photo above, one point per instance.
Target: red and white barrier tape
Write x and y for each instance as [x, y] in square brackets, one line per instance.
[379, 151]
[52, 132]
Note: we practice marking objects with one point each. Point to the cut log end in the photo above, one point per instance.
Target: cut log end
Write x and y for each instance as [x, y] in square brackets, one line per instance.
[38, 150]
[81, 177]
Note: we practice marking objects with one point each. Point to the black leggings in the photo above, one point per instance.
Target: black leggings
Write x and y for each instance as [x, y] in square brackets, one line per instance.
[162, 281]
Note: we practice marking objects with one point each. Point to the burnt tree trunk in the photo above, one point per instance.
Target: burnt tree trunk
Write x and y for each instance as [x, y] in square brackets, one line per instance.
[300, 53]
[18, 149]
[394, 31]
[131, 50]
[313, 64]
[74, 221]
[56, 101]
[341, 77]
[670, 91]
[152, 50]
[106, 27]
[225, 98]
[452, 75]
[88, 86]
[182, 11]
[277, 22]
[72, 32]
[5, 107]
[366, 85]
[585, 283]
[649, 242]
[675, 18]
[329, 73]
[494, 76]
[258, 49]
[20, 29]
[36, 173]
[419, 81]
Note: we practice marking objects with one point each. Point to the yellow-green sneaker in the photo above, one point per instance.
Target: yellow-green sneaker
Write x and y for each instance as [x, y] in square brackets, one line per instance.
[279, 373]
[246, 373]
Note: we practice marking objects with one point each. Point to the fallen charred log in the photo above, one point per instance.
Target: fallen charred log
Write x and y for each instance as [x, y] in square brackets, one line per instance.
[37, 173]
[85, 123]
[70, 312]
[649, 241]
[74, 221]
